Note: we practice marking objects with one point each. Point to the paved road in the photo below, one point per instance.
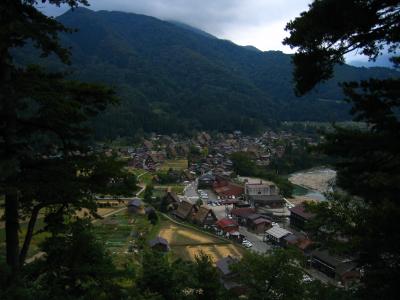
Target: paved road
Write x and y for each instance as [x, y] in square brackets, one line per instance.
[256, 240]
[221, 212]
[190, 192]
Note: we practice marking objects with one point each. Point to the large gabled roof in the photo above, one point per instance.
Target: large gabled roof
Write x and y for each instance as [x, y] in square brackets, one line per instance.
[184, 209]
[202, 214]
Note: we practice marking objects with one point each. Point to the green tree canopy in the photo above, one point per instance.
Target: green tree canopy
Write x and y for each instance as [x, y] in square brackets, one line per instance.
[367, 161]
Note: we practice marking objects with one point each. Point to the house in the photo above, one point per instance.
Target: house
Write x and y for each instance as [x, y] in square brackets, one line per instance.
[159, 244]
[227, 225]
[206, 181]
[299, 217]
[335, 267]
[226, 189]
[136, 206]
[227, 277]
[171, 200]
[205, 216]
[259, 225]
[277, 234]
[241, 214]
[185, 210]
[263, 194]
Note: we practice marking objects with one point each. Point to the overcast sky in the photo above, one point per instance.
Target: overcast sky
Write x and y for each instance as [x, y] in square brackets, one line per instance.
[245, 22]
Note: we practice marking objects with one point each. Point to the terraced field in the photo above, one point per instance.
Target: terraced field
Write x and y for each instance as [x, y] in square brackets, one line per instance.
[186, 243]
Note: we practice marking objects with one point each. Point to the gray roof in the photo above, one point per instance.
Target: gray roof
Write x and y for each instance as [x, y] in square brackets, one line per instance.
[158, 240]
[340, 263]
[278, 232]
[136, 202]
[224, 263]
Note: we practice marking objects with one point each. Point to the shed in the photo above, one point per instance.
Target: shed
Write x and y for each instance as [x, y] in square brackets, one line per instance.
[136, 206]
[276, 234]
[159, 244]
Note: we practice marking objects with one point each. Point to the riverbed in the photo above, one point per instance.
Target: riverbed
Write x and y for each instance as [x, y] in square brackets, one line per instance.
[312, 184]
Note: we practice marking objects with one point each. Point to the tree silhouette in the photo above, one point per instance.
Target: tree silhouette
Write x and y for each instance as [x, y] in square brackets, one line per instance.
[368, 160]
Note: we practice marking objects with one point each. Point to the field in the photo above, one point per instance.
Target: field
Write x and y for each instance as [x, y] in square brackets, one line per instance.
[177, 164]
[186, 243]
[123, 234]
[39, 237]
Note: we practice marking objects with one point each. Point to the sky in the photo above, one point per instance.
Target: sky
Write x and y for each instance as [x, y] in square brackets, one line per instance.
[259, 23]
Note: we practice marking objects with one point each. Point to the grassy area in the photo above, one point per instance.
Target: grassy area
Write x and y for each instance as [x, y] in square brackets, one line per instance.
[39, 236]
[177, 164]
[186, 243]
[123, 234]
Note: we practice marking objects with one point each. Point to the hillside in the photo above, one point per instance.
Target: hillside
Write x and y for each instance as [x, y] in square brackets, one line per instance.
[175, 78]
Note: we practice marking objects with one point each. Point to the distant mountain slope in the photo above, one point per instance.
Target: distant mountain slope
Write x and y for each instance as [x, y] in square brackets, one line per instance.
[172, 78]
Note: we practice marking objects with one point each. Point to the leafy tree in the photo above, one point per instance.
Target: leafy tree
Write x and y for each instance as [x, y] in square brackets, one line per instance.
[148, 193]
[276, 275]
[157, 275]
[243, 164]
[76, 266]
[368, 161]
[152, 217]
[207, 278]
[279, 274]
[45, 156]
[368, 27]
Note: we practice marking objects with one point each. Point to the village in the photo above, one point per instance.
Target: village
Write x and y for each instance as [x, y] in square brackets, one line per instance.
[203, 206]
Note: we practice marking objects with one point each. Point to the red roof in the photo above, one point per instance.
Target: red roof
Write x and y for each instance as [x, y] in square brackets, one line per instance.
[300, 211]
[243, 212]
[227, 225]
[225, 188]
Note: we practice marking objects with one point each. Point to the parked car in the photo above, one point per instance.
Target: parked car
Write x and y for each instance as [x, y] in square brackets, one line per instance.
[247, 243]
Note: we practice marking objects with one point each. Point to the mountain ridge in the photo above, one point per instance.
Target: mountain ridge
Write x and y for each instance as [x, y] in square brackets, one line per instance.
[174, 79]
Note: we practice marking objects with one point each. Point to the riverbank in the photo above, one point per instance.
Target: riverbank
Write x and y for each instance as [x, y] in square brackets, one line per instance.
[313, 184]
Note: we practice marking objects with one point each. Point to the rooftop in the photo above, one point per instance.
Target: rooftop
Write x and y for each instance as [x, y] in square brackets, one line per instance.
[278, 232]
[300, 210]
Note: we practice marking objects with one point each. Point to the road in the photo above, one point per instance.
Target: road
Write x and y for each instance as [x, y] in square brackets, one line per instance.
[256, 239]
[191, 194]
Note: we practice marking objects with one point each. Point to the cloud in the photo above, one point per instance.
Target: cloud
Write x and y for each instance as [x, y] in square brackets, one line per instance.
[247, 22]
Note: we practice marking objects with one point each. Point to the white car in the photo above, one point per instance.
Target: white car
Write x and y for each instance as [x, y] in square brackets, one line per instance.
[247, 243]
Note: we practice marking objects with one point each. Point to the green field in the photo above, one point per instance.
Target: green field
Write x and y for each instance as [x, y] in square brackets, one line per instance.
[123, 234]
[178, 164]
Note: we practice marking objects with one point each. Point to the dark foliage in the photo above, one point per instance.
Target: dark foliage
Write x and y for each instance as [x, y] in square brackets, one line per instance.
[368, 162]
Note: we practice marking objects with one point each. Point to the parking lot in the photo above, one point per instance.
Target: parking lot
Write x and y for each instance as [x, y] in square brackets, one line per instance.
[210, 199]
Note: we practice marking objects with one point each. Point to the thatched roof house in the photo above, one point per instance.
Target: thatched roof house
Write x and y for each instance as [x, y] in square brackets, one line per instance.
[205, 216]
[186, 210]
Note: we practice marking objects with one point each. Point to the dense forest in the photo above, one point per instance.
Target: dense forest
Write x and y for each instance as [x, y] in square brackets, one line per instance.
[174, 78]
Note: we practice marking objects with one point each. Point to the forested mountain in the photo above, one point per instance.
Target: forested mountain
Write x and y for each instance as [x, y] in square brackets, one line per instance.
[175, 78]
